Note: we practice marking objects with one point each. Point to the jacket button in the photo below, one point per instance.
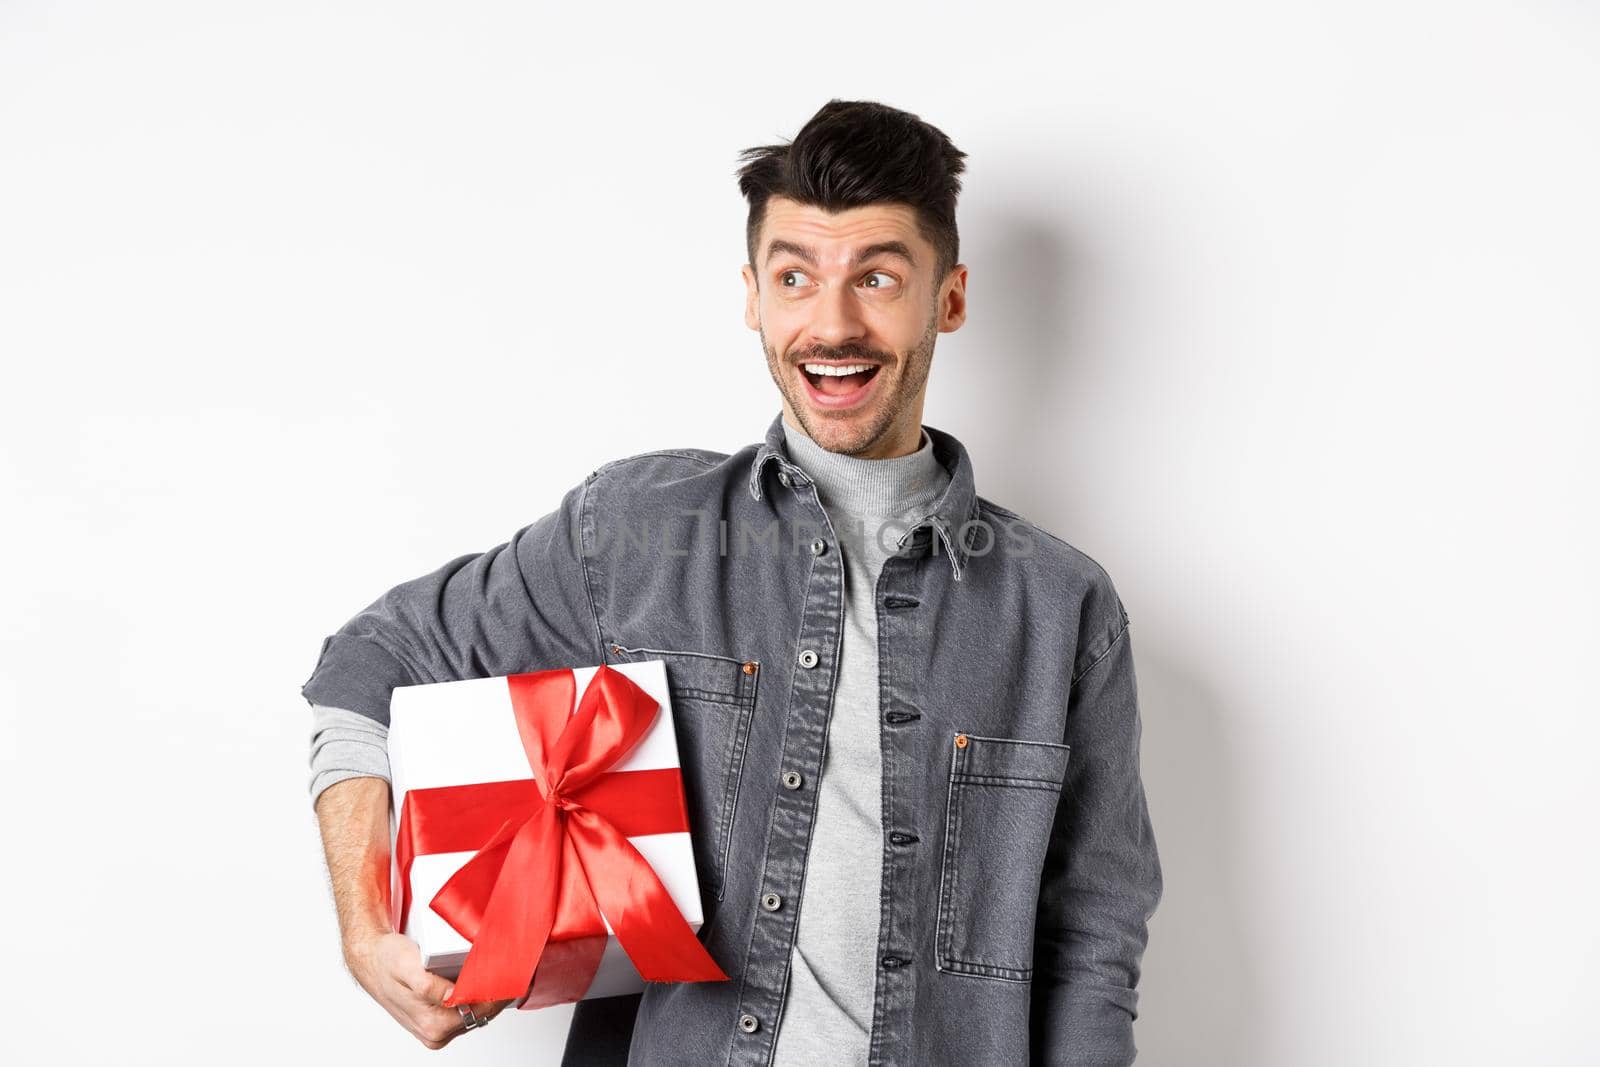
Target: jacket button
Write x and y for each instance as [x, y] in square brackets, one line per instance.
[818, 547]
[749, 1023]
[808, 658]
[961, 740]
[792, 779]
[771, 901]
[783, 476]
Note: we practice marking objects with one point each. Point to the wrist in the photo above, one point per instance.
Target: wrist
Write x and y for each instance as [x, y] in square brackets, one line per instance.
[359, 938]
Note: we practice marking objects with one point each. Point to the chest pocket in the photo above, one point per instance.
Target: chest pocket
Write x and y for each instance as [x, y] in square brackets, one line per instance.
[713, 697]
[999, 811]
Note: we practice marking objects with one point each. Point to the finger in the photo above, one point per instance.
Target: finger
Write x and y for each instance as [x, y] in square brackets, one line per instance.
[432, 1013]
[430, 988]
[433, 1024]
[406, 966]
[448, 1022]
[434, 989]
[425, 993]
[489, 1009]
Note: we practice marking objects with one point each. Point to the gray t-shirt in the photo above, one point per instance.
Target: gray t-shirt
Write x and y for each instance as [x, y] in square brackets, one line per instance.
[827, 1015]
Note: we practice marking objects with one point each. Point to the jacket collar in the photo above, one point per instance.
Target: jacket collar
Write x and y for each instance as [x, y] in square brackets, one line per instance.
[955, 507]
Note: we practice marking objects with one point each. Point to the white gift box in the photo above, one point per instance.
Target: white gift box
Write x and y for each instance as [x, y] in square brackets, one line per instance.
[464, 732]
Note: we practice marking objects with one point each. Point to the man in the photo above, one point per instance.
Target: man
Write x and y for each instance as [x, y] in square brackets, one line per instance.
[908, 722]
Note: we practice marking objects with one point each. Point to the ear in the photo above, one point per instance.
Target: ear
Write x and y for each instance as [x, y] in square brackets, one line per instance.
[752, 298]
[953, 299]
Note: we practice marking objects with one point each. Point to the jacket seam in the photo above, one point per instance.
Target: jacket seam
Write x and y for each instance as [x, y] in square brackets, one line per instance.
[984, 504]
[677, 453]
[584, 512]
[1112, 644]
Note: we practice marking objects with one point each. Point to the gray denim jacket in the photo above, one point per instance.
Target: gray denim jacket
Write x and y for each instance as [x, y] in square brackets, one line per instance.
[1018, 862]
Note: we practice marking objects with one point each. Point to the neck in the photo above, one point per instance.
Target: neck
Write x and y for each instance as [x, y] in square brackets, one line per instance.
[876, 487]
[900, 440]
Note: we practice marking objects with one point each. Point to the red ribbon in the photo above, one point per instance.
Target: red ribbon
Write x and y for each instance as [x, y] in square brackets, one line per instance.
[553, 854]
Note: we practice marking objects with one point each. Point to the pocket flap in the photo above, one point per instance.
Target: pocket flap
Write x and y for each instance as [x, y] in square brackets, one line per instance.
[698, 674]
[1007, 761]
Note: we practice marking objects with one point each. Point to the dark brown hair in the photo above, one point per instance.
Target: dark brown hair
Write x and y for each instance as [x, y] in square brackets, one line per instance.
[857, 152]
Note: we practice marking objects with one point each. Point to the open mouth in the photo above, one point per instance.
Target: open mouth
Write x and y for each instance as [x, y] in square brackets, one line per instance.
[841, 385]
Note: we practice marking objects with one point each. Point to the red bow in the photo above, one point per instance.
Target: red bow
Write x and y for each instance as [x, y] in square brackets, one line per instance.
[550, 862]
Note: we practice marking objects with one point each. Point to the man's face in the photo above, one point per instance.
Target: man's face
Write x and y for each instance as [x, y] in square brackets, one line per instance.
[857, 289]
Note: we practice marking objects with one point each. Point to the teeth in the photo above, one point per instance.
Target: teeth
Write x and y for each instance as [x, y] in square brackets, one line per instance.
[838, 372]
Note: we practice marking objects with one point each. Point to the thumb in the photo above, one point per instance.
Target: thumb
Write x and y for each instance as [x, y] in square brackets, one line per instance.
[439, 990]
[427, 985]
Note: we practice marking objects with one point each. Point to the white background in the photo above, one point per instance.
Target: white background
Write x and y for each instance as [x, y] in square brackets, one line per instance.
[1284, 312]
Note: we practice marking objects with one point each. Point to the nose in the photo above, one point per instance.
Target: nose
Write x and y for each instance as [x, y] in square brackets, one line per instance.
[836, 317]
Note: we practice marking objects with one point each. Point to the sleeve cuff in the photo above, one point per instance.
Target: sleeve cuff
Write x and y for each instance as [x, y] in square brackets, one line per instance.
[358, 674]
[345, 744]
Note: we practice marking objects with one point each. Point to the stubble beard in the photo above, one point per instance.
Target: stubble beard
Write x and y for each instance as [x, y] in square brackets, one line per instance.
[913, 368]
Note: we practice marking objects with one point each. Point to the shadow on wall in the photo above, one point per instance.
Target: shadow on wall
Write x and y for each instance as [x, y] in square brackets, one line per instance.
[1200, 998]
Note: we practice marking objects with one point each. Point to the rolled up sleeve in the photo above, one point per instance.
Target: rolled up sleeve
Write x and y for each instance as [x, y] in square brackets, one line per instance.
[345, 744]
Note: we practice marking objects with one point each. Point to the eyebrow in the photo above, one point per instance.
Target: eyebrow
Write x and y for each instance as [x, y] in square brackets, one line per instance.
[808, 256]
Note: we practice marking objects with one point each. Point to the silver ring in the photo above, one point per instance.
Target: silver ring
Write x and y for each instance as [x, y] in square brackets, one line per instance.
[472, 1021]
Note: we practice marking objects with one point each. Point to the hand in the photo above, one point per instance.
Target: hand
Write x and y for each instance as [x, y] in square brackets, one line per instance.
[389, 967]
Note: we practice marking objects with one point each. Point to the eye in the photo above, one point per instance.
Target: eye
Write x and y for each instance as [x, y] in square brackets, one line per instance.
[786, 274]
[879, 274]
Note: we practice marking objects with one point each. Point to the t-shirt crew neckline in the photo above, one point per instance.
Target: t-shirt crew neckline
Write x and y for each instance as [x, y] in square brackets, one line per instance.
[870, 487]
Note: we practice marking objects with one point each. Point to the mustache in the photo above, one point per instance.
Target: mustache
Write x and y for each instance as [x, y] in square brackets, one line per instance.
[844, 352]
